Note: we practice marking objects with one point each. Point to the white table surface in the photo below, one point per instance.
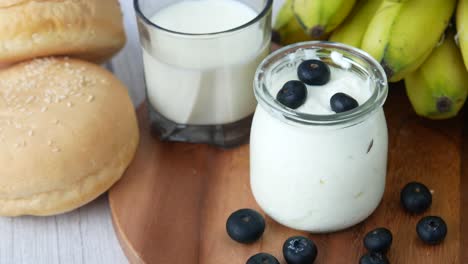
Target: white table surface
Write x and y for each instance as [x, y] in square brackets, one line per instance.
[85, 235]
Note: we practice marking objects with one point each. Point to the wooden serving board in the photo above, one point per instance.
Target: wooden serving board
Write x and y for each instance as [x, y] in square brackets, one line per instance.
[172, 204]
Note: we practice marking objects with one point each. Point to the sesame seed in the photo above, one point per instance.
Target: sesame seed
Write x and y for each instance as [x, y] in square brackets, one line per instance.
[55, 150]
[43, 109]
[30, 99]
[69, 104]
[30, 133]
[49, 143]
[90, 98]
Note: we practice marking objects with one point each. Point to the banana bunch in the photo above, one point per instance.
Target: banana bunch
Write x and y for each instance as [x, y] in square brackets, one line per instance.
[352, 30]
[439, 88]
[301, 20]
[412, 40]
[400, 34]
[403, 33]
[287, 29]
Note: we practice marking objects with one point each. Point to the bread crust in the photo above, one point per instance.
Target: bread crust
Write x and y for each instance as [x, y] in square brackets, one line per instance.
[68, 131]
[87, 29]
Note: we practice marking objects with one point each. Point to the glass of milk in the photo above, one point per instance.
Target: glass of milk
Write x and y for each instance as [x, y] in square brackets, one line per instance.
[313, 169]
[200, 58]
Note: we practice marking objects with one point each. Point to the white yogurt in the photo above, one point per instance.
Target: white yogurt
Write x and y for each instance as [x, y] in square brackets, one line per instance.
[319, 178]
[204, 80]
[318, 97]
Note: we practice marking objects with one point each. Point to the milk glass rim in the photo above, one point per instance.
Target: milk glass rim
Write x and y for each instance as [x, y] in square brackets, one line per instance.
[268, 102]
[265, 11]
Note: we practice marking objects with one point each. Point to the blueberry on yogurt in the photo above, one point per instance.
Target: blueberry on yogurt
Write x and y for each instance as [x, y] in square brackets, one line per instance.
[341, 102]
[314, 72]
[293, 94]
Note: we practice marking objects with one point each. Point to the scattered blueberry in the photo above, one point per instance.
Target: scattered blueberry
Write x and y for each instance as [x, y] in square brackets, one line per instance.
[341, 102]
[374, 258]
[378, 240]
[293, 94]
[299, 250]
[416, 197]
[245, 226]
[431, 229]
[314, 72]
[262, 258]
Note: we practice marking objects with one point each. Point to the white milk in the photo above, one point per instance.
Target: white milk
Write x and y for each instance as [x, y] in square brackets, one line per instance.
[205, 79]
[319, 178]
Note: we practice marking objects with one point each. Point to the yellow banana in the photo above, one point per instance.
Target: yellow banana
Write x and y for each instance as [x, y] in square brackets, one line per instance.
[403, 33]
[352, 30]
[287, 29]
[462, 27]
[439, 88]
[320, 17]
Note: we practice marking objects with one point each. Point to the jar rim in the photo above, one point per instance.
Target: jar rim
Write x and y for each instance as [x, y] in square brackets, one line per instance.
[266, 100]
[265, 11]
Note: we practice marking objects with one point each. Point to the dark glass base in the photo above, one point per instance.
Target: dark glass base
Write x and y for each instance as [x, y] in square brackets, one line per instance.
[225, 136]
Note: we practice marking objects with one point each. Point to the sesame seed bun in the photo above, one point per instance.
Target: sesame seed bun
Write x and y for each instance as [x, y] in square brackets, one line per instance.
[86, 29]
[68, 131]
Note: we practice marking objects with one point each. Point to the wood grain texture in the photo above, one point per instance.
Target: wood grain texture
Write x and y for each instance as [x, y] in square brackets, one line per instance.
[172, 204]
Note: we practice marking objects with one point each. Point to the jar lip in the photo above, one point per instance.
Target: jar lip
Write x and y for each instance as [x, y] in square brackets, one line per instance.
[265, 11]
[265, 99]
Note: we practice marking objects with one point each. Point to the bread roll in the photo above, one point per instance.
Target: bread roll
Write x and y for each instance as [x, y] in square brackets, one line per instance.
[86, 29]
[68, 131]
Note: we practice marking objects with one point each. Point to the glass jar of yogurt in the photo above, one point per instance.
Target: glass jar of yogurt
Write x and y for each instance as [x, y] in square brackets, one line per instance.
[200, 57]
[313, 169]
